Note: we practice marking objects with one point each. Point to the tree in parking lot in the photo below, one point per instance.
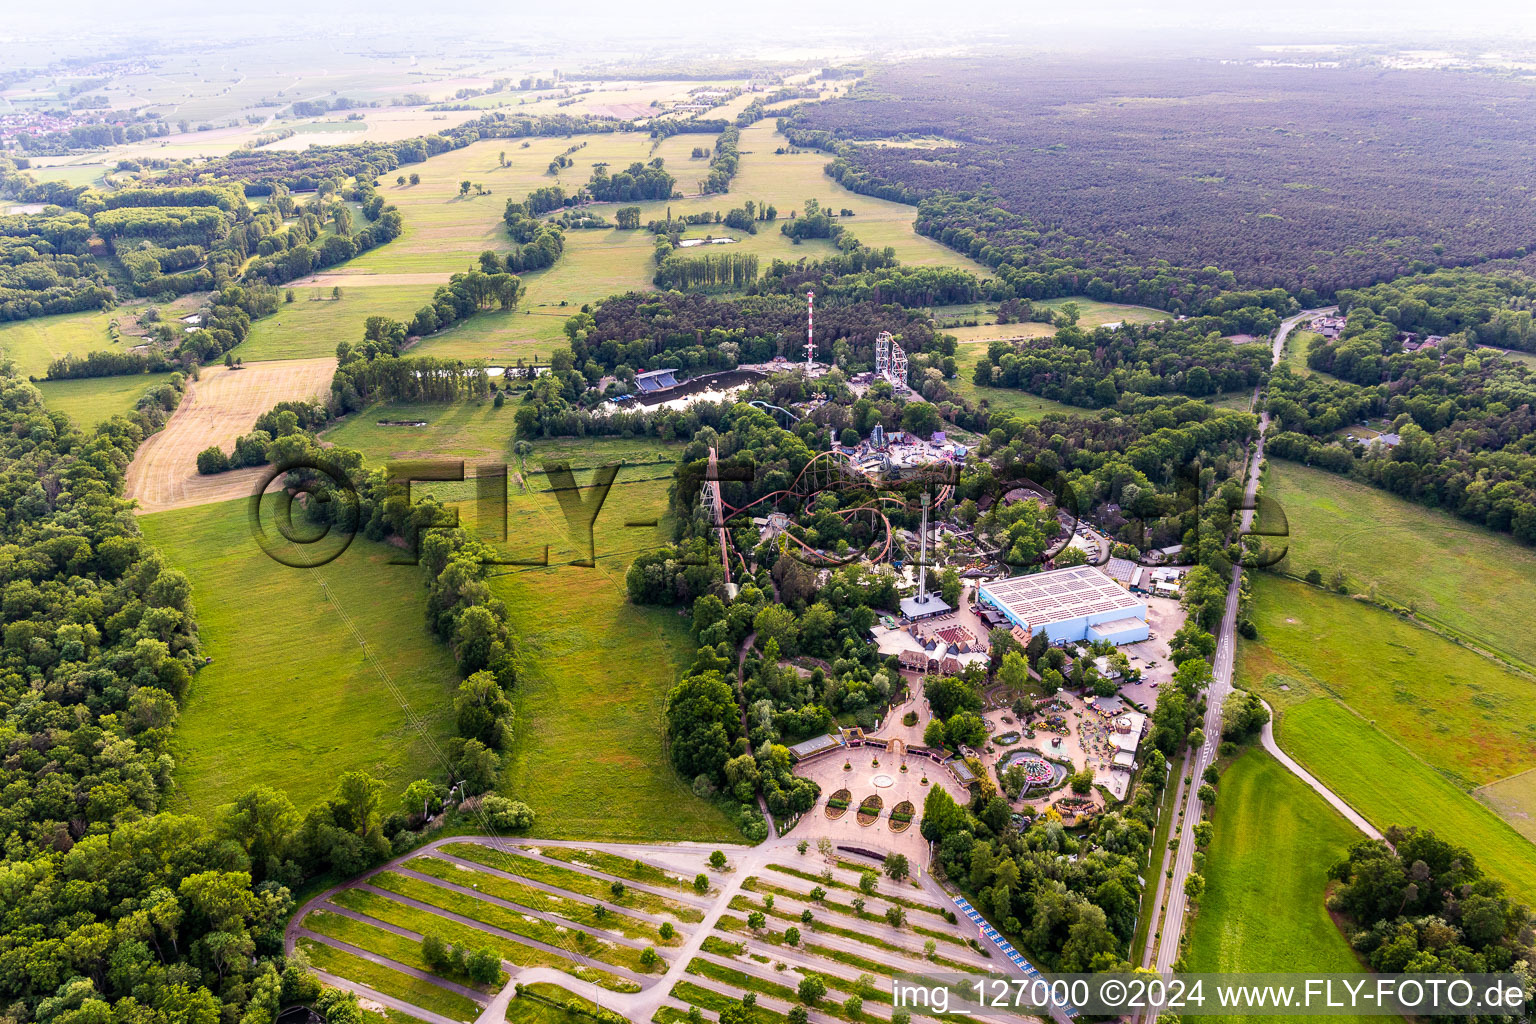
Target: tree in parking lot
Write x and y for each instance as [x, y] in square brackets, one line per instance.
[483, 965]
[811, 989]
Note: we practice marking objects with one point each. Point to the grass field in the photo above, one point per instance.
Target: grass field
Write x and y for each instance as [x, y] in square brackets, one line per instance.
[1266, 875]
[1412, 553]
[305, 328]
[1389, 786]
[379, 940]
[1397, 721]
[289, 700]
[33, 344]
[480, 431]
[1296, 345]
[523, 1010]
[594, 669]
[1002, 399]
[1514, 800]
[390, 982]
[445, 233]
[90, 400]
[1466, 714]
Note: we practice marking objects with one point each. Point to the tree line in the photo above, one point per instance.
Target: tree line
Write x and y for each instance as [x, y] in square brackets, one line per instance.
[723, 272]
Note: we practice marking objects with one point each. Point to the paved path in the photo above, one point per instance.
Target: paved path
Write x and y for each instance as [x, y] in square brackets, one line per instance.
[1221, 684]
[1267, 737]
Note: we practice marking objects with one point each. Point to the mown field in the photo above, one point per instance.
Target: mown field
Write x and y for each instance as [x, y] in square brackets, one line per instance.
[1389, 785]
[1447, 704]
[306, 327]
[290, 700]
[594, 670]
[1266, 876]
[1475, 582]
[479, 431]
[90, 400]
[33, 344]
[1398, 721]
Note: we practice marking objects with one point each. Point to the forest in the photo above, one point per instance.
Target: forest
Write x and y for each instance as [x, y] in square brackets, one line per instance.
[1094, 368]
[694, 332]
[1369, 174]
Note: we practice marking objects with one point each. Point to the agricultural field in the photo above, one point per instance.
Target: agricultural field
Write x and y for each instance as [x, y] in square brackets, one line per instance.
[1266, 876]
[292, 698]
[1398, 721]
[1413, 555]
[220, 407]
[90, 400]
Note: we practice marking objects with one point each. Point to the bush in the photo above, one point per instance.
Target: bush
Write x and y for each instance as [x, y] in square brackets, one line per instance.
[212, 460]
[506, 815]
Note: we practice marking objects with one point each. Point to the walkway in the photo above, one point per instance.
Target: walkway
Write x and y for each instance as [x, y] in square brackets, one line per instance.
[1267, 737]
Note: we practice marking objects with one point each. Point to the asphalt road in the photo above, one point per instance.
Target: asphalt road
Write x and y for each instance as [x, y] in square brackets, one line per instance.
[1216, 695]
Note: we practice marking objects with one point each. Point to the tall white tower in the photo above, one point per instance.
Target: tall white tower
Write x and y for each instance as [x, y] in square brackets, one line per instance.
[922, 557]
[810, 331]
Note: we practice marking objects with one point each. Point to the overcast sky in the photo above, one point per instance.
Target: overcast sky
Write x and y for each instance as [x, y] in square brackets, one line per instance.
[788, 24]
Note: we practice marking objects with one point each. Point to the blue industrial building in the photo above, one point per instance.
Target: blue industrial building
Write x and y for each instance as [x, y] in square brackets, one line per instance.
[1070, 605]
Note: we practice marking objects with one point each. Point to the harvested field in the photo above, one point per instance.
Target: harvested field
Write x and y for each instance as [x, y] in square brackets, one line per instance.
[217, 409]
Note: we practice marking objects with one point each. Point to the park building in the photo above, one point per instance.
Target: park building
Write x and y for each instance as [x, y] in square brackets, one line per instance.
[1069, 605]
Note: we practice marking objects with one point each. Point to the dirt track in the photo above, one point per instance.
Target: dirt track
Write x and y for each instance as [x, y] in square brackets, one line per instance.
[217, 409]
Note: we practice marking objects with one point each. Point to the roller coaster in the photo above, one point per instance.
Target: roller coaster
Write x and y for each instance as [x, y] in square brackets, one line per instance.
[826, 471]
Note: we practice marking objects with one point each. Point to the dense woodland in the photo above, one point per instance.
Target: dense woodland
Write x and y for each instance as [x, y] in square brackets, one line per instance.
[1422, 905]
[1095, 368]
[1369, 173]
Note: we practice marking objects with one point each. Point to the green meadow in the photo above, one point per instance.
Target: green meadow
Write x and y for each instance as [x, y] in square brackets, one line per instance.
[309, 327]
[291, 699]
[445, 232]
[1011, 400]
[90, 400]
[33, 344]
[593, 669]
[1398, 721]
[1266, 876]
[1413, 555]
[1468, 714]
[1388, 785]
[479, 431]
